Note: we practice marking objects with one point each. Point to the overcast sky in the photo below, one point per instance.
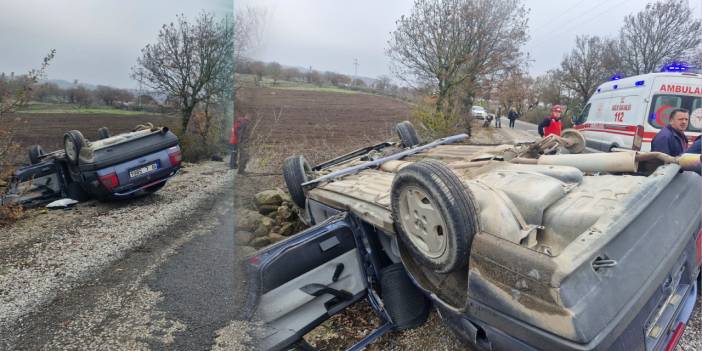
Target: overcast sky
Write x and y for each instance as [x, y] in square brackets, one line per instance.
[98, 41]
[329, 35]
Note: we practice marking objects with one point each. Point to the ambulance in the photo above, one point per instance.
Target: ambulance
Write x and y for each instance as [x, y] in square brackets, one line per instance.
[626, 113]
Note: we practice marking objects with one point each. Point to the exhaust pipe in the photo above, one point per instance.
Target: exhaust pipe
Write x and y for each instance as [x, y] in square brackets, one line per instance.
[595, 162]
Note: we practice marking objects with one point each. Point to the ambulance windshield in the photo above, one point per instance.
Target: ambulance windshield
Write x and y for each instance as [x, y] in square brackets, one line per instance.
[663, 104]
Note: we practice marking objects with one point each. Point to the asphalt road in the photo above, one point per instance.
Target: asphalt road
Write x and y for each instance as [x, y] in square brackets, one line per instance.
[173, 293]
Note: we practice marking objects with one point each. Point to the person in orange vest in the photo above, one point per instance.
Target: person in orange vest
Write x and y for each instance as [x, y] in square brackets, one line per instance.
[237, 144]
[551, 124]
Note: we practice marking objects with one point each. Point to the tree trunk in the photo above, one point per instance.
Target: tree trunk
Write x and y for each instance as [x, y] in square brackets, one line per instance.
[187, 112]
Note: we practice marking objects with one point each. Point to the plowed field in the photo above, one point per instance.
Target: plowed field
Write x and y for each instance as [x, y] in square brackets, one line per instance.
[318, 125]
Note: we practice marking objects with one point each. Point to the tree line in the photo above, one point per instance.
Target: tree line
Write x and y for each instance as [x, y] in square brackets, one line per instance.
[468, 50]
[77, 94]
[277, 73]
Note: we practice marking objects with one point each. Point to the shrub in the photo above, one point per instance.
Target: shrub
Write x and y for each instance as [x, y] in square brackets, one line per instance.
[431, 124]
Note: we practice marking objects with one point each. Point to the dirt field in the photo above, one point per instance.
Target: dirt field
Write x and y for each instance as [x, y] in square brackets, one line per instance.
[46, 129]
[318, 125]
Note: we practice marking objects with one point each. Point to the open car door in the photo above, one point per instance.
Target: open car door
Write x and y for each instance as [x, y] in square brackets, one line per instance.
[298, 283]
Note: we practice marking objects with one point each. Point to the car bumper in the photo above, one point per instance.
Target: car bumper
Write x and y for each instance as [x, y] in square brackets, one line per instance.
[132, 190]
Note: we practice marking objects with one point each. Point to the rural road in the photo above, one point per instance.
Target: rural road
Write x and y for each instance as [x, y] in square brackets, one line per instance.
[175, 291]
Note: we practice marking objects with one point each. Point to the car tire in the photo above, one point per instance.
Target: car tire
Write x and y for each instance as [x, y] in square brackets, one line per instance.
[73, 141]
[76, 192]
[35, 154]
[103, 133]
[295, 171]
[405, 303]
[408, 135]
[434, 215]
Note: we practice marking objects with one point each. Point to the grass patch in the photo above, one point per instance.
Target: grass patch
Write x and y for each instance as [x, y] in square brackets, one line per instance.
[39, 107]
[319, 89]
[248, 80]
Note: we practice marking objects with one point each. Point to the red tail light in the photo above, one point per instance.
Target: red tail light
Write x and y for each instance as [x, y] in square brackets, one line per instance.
[110, 181]
[175, 156]
[677, 334]
[638, 138]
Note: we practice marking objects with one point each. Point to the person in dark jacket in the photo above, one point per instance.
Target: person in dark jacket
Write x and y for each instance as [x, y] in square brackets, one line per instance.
[512, 115]
[671, 139]
[551, 124]
[696, 147]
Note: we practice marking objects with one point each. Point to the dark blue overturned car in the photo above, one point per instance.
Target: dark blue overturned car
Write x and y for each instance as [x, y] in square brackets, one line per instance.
[516, 249]
[112, 167]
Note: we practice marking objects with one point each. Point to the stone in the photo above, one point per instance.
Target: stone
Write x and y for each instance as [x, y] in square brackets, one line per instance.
[3, 183]
[269, 197]
[275, 237]
[248, 220]
[243, 237]
[287, 229]
[284, 212]
[266, 209]
[260, 242]
[264, 227]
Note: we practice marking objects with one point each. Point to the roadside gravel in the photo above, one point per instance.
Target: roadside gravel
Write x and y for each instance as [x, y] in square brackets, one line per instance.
[54, 251]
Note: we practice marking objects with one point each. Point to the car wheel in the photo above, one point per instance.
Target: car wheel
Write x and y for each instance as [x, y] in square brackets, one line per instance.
[408, 135]
[103, 133]
[405, 303]
[35, 154]
[73, 141]
[434, 215]
[295, 171]
[76, 192]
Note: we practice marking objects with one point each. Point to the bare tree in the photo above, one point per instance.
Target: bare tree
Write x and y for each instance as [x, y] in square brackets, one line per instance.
[382, 83]
[291, 73]
[548, 88]
[449, 42]
[513, 90]
[186, 58]
[589, 64]
[18, 95]
[274, 70]
[662, 32]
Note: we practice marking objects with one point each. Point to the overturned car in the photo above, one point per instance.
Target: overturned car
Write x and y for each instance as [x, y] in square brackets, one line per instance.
[112, 167]
[519, 247]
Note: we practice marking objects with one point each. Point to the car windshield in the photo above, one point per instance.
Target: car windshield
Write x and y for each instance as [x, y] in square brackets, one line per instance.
[662, 105]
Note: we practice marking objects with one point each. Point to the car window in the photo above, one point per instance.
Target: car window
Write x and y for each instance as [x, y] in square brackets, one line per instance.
[582, 118]
[662, 105]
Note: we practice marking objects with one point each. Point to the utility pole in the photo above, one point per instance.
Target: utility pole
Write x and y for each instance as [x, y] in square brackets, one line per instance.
[355, 71]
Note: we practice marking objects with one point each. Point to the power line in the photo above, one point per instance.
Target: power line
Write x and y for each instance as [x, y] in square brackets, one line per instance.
[539, 43]
[554, 26]
[562, 13]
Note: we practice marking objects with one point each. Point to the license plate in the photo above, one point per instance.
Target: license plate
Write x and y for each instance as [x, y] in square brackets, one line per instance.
[143, 170]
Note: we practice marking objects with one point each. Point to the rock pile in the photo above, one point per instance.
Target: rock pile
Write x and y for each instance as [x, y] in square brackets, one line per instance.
[275, 219]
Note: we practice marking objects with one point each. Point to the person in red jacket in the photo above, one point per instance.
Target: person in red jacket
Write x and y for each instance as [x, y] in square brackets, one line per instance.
[237, 143]
[551, 124]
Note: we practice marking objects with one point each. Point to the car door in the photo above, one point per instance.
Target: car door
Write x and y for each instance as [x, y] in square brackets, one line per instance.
[298, 283]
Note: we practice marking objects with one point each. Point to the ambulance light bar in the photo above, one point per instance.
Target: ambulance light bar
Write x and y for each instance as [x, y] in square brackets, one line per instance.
[675, 67]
